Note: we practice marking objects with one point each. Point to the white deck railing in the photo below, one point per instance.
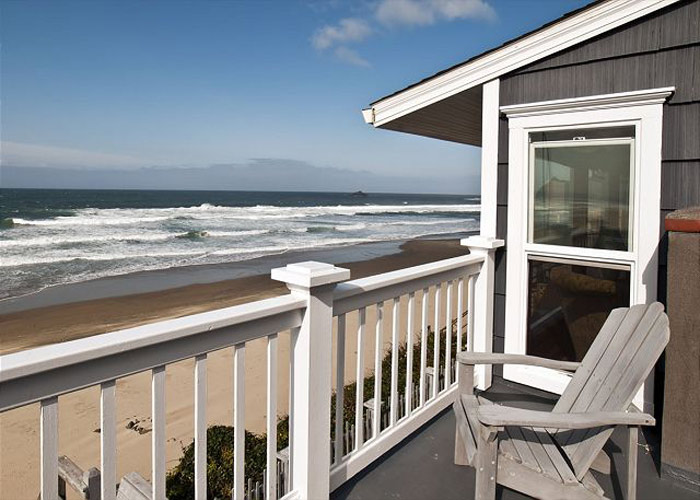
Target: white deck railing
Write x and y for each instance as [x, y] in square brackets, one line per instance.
[319, 293]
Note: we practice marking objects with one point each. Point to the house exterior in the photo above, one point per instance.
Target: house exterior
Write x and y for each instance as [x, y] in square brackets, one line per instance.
[590, 134]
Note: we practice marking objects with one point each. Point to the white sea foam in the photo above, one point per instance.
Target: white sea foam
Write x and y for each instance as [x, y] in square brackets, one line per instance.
[105, 242]
[122, 216]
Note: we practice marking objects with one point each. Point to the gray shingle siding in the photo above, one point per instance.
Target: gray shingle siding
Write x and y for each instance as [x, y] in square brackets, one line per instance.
[659, 50]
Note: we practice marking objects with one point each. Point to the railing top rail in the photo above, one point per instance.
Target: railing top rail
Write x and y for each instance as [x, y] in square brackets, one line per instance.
[396, 280]
[358, 286]
[56, 356]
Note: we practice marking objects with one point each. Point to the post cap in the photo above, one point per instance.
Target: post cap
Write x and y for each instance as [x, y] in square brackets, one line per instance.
[482, 242]
[310, 274]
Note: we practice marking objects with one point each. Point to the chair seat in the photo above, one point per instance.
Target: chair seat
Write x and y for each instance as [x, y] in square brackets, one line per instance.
[532, 448]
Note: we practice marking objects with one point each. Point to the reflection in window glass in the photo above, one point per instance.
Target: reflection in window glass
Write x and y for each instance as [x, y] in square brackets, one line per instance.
[580, 194]
[568, 304]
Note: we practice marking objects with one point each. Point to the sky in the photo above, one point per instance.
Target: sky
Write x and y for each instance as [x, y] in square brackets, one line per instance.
[125, 85]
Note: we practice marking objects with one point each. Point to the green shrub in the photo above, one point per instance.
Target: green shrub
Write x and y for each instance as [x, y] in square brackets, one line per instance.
[180, 480]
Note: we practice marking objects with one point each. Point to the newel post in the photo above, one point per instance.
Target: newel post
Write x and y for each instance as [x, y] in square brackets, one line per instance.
[310, 409]
[483, 302]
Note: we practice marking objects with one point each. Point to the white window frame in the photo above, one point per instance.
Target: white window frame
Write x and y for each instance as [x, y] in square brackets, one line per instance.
[643, 110]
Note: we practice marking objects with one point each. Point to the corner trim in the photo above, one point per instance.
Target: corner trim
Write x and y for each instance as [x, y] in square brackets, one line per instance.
[588, 103]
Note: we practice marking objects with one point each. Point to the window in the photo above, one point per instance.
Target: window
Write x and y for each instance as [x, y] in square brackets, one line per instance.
[580, 188]
[583, 222]
[568, 302]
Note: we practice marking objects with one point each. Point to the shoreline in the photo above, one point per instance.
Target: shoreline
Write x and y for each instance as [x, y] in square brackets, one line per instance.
[66, 314]
[155, 280]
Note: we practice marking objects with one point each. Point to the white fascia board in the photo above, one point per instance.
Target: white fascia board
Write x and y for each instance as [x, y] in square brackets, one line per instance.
[566, 33]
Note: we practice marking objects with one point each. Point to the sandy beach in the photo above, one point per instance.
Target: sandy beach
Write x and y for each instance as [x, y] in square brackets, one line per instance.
[79, 412]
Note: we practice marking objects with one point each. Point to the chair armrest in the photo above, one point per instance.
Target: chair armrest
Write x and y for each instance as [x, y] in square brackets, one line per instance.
[499, 416]
[493, 358]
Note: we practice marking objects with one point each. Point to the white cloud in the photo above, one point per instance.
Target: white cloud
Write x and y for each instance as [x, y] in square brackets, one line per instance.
[347, 30]
[338, 37]
[351, 57]
[34, 155]
[425, 12]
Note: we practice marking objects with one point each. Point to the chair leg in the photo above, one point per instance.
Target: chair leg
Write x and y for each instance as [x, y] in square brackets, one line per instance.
[486, 464]
[460, 450]
[632, 441]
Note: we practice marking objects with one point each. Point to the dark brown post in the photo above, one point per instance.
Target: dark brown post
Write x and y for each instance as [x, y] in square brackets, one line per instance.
[680, 448]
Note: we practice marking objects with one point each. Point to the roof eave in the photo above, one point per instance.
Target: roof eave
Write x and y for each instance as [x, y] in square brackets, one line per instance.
[569, 31]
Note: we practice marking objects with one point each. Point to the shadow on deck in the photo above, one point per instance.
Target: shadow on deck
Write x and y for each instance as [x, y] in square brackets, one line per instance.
[422, 467]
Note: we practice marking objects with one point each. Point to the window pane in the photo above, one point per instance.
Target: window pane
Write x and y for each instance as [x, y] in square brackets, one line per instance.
[580, 194]
[568, 304]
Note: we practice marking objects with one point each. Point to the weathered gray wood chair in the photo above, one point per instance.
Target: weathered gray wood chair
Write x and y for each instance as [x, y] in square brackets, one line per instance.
[549, 454]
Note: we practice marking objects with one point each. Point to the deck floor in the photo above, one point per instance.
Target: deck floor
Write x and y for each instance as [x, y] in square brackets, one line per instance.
[422, 467]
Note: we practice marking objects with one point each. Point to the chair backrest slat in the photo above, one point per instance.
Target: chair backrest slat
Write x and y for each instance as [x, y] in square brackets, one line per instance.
[590, 361]
[618, 365]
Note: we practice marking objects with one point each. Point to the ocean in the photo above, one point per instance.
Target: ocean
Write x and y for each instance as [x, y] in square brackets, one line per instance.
[54, 237]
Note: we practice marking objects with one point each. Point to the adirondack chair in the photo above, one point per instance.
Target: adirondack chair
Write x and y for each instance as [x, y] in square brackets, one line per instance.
[550, 455]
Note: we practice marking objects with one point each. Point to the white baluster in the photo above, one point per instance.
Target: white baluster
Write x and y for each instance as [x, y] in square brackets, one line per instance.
[200, 427]
[339, 388]
[158, 432]
[239, 422]
[49, 448]
[271, 417]
[409, 351]
[108, 447]
[436, 343]
[470, 314]
[448, 336]
[424, 344]
[360, 379]
[378, 355]
[393, 402]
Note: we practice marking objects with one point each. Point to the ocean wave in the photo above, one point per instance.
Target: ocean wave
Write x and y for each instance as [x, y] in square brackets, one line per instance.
[78, 220]
[23, 260]
[56, 240]
[61, 240]
[122, 216]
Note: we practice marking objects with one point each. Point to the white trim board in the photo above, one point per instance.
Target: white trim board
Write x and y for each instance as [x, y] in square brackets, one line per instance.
[577, 28]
